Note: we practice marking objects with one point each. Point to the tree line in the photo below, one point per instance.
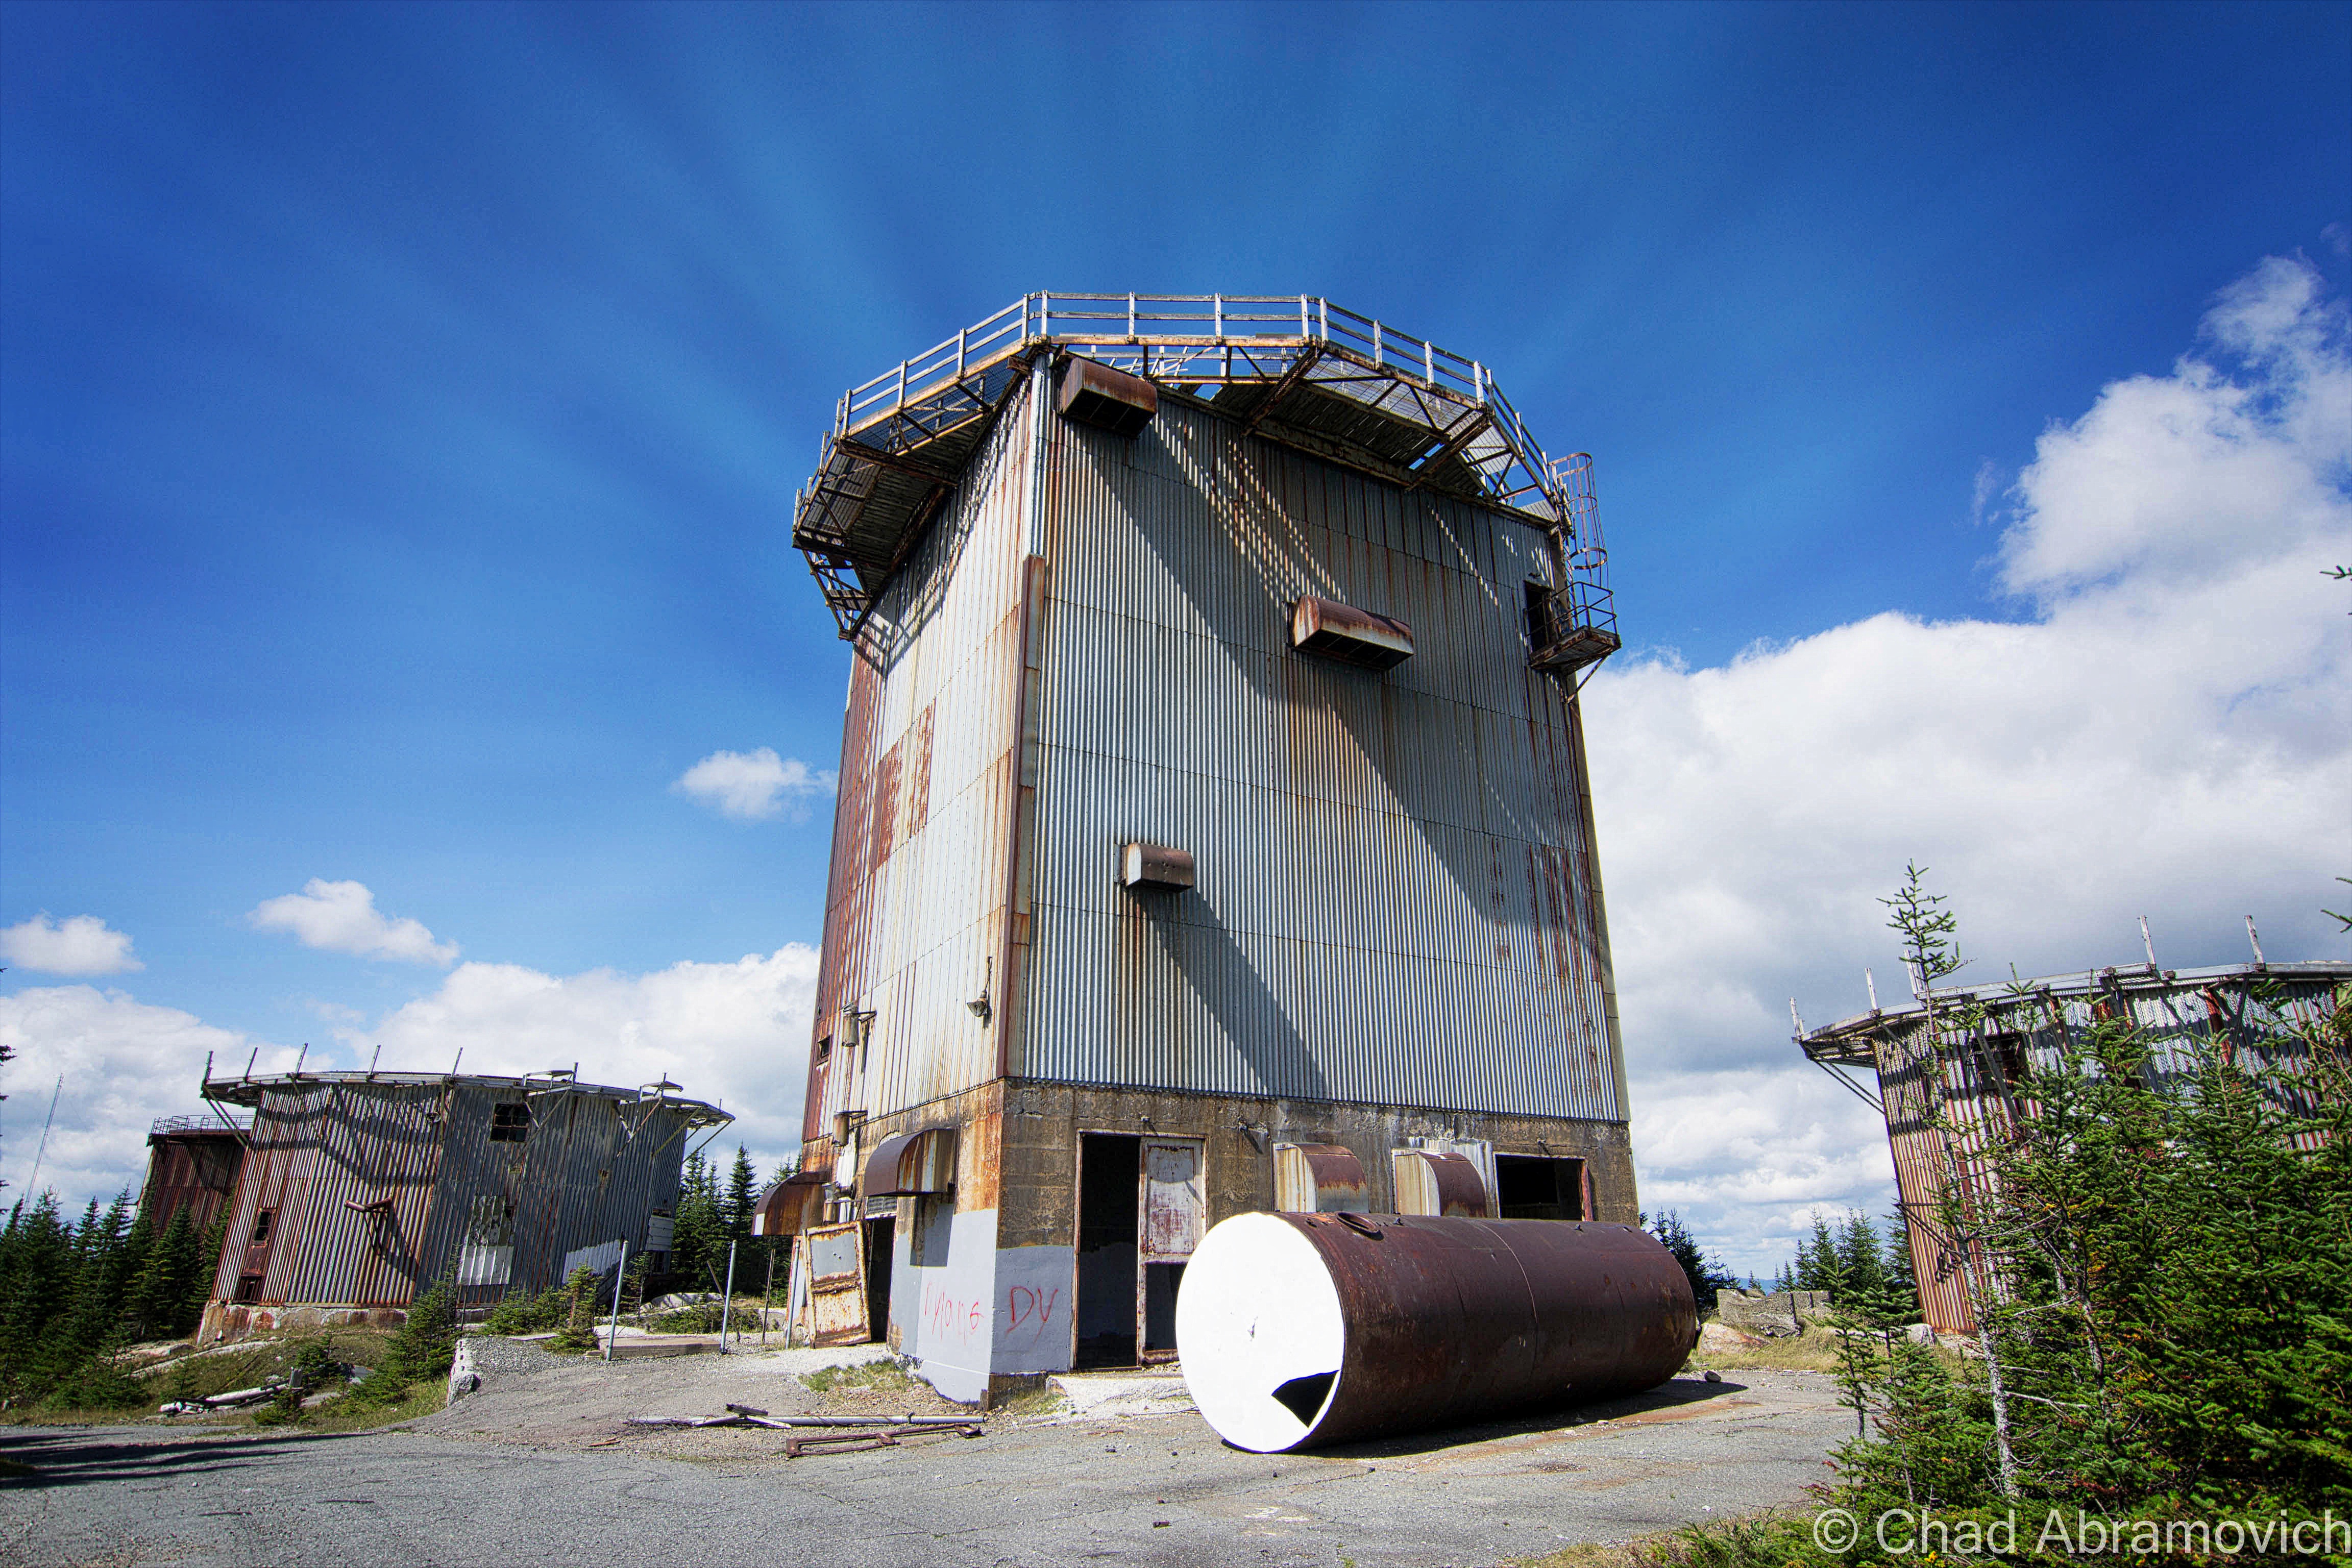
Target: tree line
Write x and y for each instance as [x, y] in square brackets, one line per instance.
[73, 1294]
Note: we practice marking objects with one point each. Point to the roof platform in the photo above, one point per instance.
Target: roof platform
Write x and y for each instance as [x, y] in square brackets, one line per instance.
[248, 1090]
[1295, 368]
[1851, 1042]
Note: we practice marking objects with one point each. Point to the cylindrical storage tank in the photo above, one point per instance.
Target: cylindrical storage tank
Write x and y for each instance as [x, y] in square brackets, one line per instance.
[1300, 1328]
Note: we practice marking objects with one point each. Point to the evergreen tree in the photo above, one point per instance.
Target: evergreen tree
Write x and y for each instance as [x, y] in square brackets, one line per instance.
[36, 1280]
[1707, 1275]
[1902, 1284]
[209, 1246]
[159, 1294]
[699, 1243]
[742, 1192]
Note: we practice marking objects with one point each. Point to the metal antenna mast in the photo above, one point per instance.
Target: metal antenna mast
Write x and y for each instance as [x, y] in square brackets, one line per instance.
[43, 1147]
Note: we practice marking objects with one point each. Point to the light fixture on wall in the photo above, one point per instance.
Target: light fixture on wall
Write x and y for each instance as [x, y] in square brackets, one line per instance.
[980, 1005]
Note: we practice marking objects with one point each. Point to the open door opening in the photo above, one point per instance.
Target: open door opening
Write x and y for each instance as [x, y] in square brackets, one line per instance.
[1140, 1212]
[880, 1234]
[1108, 1167]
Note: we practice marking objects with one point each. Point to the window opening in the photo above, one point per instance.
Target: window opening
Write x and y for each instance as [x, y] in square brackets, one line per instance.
[261, 1225]
[509, 1121]
[1534, 1188]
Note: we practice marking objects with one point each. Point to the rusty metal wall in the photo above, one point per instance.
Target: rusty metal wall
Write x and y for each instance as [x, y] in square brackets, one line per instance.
[916, 903]
[1397, 902]
[2253, 1012]
[192, 1170]
[581, 1177]
[315, 1149]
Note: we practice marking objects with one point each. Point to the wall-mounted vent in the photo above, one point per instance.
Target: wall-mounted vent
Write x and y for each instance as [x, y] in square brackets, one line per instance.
[1320, 1178]
[1350, 636]
[1155, 866]
[1094, 394]
[1430, 1182]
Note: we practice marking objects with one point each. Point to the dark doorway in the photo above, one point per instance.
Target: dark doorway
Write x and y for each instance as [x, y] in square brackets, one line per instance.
[1160, 1282]
[1109, 1165]
[1533, 1188]
[880, 1234]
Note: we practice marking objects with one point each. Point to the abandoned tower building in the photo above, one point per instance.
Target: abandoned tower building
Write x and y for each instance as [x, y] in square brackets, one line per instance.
[1214, 830]
[1952, 1072]
[358, 1189]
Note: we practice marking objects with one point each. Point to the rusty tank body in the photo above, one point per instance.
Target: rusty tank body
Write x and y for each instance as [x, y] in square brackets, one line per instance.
[1302, 1329]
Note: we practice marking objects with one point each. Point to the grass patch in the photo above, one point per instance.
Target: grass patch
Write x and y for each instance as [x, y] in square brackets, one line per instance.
[1586, 1554]
[199, 1374]
[1816, 1351]
[1033, 1401]
[1759, 1537]
[348, 1415]
[877, 1376]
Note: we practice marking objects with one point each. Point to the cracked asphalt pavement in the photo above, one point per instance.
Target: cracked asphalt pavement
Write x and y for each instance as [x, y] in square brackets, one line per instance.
[490, 1483]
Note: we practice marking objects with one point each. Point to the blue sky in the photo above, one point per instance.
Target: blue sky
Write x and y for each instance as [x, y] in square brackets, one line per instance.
[401, 407]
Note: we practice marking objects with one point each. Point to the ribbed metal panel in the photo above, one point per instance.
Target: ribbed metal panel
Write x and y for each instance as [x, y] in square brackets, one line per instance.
[1950, 1103]
[590, 1169]
[1395, 901]
[916, 904]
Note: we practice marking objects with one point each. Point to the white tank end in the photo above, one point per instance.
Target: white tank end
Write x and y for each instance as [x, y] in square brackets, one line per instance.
[1259, 1332]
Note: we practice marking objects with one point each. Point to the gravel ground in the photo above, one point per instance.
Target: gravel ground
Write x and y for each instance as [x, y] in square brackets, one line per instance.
[537, 1468]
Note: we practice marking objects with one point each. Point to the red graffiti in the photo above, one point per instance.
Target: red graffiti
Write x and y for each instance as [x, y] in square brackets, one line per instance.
[950, 1318]
[1022, 1302]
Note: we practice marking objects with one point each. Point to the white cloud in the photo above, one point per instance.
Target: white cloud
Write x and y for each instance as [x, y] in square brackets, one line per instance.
[80, 944]
[751, 786]
[341, 917]
[2168, 731]
[123, 1062]
[733, 1033]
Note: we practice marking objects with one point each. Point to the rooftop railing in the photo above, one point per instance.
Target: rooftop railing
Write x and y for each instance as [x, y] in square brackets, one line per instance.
[1205, 339]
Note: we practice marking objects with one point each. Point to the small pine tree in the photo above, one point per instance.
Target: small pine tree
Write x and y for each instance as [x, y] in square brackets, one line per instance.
[579, 1330]
[421, 1349]
[743, 1193]
[209, 1246]
[698, 1237]
[1707, 1275]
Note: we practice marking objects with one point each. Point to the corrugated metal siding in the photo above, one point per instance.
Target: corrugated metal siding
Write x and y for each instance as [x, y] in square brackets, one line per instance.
[578, 1179]
[588, 1174]
[1394, 902]
[315, 1149]
[916, 905]
[1916, 1083]
[192, 1172]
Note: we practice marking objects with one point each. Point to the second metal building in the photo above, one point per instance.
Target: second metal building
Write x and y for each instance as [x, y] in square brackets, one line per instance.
[359, 1189]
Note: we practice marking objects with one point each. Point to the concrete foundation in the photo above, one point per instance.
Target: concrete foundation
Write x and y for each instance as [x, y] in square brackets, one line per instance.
[985, 1287]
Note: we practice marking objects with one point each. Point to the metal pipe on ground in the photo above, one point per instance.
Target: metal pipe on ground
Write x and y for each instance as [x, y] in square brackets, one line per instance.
[1299, 1330]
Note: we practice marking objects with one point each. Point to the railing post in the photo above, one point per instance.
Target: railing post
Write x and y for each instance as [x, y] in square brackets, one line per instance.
[1131, 317]
[1478, 381]
[1217, 315]
[1303, 328]
[1429, 364]
[960, 333]
[1323, 318]
[902, 387]
[1376, 343]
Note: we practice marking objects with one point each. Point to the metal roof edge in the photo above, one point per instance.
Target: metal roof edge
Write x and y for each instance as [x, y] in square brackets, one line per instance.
[2081, 982]
[248, 1091]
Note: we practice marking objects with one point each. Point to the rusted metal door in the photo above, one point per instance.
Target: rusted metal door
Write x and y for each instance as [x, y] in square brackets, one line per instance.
[1169, 1228]
[837, 1284]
